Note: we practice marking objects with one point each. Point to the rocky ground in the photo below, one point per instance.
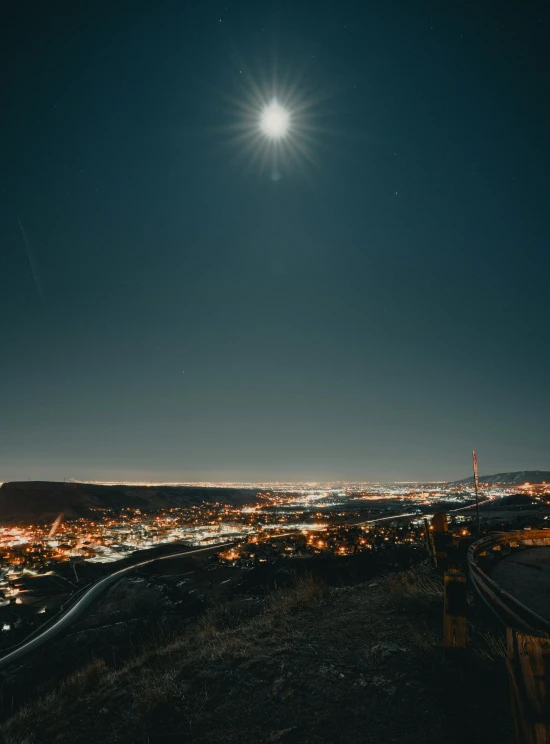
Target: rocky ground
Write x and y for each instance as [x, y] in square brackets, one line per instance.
[307, 664]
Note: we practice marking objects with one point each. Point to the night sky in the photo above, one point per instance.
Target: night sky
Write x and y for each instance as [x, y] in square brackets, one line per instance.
[184, 300]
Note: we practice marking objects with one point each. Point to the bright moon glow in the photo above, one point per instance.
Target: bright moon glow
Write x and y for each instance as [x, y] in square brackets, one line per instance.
[274, 121]
[274, 124]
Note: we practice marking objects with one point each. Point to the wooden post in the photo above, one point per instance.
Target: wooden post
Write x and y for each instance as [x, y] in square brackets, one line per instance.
[529, 668]
[430, 543]
[454, 612]
[439, 521]
[427, 534]
[440, 536]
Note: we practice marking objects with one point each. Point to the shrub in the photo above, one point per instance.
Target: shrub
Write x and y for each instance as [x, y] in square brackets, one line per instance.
[416, 587]
[304, 590]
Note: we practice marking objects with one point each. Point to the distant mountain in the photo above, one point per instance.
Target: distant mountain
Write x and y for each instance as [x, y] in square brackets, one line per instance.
[40, 500]
[519, 477]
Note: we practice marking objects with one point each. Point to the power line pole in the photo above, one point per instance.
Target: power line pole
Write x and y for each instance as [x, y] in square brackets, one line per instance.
[476, 484]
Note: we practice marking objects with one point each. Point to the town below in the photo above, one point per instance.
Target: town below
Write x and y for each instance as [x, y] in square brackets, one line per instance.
[45, 564]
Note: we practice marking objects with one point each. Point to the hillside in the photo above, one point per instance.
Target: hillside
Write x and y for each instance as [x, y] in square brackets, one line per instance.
[518, 477]
[309, 665]
[40, 501]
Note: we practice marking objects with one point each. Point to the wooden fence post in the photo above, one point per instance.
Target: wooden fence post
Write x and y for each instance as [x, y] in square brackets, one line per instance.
[441, 537]
[430, 543]
[528, 664]
[454, 612]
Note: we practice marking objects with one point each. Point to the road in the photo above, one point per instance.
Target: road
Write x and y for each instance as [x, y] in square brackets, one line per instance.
[393, 516]
[526, 576]
[92, 593]
[87, 597]
[420, 515]
[472, 506]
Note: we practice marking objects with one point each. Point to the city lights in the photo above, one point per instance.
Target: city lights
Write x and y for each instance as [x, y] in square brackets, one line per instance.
[41, 565]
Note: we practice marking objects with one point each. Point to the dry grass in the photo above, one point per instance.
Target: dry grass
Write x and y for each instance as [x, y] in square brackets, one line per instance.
[17, 740]
[157, 689]
[227, 616]
[223, 632]
[421, 638]
[421, 588]
[305, 590]
[86, 678]
[490, 646]
[50, 707]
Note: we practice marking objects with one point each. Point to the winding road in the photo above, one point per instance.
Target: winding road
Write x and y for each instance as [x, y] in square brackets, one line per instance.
[83, 601]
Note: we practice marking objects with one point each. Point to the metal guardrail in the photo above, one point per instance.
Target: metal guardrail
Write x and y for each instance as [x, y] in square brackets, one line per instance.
[509, 610]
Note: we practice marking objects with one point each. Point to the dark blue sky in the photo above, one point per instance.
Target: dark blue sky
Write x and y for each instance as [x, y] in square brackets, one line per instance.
[170, 312]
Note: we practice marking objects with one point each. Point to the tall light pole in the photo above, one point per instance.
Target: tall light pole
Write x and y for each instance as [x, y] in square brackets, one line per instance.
[476, 484]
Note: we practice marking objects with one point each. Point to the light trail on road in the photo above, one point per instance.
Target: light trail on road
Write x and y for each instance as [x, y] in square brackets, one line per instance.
[93, 592]
[473, 506]
[393, 516]
[71, 614]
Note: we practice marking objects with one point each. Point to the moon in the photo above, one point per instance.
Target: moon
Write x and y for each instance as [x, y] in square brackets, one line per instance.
[274, 120]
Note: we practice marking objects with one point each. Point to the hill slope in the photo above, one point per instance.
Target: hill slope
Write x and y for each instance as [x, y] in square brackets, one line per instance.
[352, 665]
[41, 500]
[518, 477]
